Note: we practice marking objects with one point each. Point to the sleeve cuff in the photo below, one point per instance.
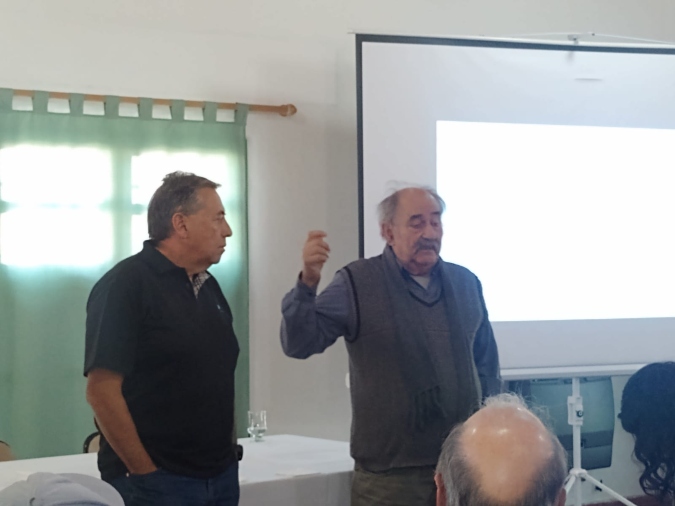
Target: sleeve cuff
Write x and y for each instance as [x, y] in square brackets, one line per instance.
[304, 292]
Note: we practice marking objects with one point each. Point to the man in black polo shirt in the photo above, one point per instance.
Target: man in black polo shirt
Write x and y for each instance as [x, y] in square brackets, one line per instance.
[160, 357]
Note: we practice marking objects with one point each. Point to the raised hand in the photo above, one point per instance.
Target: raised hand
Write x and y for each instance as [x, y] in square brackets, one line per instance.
[314, 255]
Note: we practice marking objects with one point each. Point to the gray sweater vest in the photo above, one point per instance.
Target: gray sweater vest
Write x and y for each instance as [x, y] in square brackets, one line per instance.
[381, 436]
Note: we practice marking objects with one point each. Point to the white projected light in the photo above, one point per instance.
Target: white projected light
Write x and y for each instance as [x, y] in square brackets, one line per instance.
[558, 221]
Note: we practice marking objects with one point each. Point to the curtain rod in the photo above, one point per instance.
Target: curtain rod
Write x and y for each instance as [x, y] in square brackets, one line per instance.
[282, 110]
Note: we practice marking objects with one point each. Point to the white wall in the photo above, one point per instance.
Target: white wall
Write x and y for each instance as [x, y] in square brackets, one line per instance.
[302, 170]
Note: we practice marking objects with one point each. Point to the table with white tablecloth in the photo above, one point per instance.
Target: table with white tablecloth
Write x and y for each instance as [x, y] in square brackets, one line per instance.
[280, 470]
[295, 470]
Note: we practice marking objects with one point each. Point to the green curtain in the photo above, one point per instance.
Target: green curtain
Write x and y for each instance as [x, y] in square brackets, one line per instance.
[74, 189]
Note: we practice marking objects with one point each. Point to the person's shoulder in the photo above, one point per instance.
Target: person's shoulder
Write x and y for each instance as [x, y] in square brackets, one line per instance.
[458, 271]
[127, 271]
[132, 265]
[364, 262]
[364, 271]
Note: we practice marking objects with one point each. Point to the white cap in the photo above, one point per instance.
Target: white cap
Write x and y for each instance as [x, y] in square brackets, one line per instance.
[68, 489]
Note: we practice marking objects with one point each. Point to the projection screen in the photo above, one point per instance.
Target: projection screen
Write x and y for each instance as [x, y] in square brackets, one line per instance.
[556, 164]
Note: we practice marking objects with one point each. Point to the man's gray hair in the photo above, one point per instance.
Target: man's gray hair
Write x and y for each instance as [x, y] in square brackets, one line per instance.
[177, 194]
[462, 485]
[386, 210]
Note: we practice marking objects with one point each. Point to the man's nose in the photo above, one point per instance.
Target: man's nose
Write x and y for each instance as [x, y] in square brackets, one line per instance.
[227, 231]
[431, 232]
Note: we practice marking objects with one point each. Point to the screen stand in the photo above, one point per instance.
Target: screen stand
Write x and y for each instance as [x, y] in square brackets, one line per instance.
[575, 417]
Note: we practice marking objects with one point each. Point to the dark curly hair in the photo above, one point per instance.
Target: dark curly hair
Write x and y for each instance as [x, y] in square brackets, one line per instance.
[648, 412]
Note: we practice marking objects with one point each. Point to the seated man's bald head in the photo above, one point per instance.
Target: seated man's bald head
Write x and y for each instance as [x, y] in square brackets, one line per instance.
[503, 455]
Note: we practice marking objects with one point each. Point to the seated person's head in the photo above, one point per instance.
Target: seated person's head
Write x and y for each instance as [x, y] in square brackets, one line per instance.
[502, 456]
[648, 412]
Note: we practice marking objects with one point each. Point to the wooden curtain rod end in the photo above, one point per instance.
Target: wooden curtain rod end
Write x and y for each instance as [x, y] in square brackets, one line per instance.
[288, 110]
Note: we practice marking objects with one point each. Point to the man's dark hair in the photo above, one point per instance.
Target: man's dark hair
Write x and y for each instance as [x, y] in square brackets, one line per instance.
[462, 484]
[177, 194]
[648, 413]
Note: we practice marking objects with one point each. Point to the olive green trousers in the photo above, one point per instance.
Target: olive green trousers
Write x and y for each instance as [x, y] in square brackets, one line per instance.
[411, 486]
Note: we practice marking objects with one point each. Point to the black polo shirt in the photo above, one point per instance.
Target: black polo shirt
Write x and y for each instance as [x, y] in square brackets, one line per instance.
[177, 353]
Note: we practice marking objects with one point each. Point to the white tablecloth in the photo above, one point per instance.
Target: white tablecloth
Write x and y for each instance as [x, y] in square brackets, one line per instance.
[281, 470]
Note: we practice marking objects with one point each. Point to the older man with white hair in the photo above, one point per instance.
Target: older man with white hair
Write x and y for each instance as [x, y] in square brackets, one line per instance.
[421, 349]
[503, 455]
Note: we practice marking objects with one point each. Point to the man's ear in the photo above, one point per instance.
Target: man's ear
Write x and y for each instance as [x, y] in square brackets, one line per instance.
[562, 497]
[387, 233]
[179, 225]
[441, 496]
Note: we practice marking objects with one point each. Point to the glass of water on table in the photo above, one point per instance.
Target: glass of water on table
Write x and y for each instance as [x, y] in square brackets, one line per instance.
[257, 424]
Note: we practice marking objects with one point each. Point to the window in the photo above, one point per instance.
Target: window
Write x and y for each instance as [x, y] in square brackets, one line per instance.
[74, 191]
[55, 206]
[61, 206]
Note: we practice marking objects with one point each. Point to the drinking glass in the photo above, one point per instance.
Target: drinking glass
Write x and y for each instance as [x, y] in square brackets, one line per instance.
[257, 424]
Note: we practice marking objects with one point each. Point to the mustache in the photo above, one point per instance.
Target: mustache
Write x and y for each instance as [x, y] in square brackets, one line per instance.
[430, 244]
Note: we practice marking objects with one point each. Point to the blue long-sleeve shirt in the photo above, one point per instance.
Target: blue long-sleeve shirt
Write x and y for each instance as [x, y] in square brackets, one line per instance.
[312, 323]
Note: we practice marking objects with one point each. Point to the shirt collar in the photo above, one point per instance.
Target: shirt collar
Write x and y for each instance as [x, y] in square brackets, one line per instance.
[155, 259]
